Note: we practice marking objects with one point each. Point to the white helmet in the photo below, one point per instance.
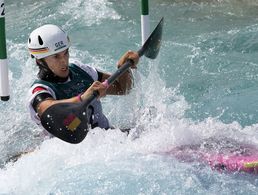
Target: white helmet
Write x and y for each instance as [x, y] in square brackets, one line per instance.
[47, 40]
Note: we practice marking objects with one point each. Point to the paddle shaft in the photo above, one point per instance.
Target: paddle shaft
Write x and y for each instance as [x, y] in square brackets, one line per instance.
[123, 68]
[113, 77]
[150, 49]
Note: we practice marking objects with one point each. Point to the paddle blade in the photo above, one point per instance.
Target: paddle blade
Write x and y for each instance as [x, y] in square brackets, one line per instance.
[151, 47]
[66, 121]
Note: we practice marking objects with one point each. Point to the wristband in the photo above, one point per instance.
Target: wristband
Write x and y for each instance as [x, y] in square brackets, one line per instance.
[79, 97]
[106, 83]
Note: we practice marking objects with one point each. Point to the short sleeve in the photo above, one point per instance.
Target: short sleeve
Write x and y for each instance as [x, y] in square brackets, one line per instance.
[33, 92]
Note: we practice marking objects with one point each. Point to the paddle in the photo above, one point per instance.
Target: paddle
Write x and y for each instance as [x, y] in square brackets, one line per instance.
[68, 121]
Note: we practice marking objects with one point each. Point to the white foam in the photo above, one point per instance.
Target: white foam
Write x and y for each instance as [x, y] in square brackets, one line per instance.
[89, 12]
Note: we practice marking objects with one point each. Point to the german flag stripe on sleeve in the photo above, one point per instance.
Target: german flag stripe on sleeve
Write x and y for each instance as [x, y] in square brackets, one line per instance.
[38, 89]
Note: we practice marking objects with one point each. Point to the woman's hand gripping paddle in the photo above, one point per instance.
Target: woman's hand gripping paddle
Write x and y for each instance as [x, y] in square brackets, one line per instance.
[68, 121]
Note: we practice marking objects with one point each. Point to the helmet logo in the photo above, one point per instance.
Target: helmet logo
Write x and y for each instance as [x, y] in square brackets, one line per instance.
[59, 45]
[38, 50]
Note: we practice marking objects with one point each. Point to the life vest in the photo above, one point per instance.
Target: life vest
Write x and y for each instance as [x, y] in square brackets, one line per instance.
[79, 82]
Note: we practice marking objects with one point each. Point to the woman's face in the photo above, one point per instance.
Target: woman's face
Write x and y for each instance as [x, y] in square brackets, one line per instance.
[58, 63]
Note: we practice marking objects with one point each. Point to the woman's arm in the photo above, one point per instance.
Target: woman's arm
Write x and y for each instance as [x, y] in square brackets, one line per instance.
[124, 83]
[96, 86]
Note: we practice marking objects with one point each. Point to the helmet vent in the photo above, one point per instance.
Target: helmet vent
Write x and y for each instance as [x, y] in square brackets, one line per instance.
[29, 40]
[40, 40]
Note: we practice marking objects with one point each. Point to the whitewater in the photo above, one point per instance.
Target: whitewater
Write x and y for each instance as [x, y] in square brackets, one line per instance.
[203, 85]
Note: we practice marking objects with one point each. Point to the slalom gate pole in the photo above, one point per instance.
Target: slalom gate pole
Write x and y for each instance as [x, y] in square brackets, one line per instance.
[4, 82]
[145, 23]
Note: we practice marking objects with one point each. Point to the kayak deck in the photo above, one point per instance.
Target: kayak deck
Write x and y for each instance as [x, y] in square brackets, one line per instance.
[221, 155]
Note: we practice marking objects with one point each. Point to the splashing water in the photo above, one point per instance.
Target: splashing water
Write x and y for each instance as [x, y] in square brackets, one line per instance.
[203, 85]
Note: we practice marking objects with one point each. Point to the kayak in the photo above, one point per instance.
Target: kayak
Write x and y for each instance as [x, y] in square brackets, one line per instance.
[223, 155]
